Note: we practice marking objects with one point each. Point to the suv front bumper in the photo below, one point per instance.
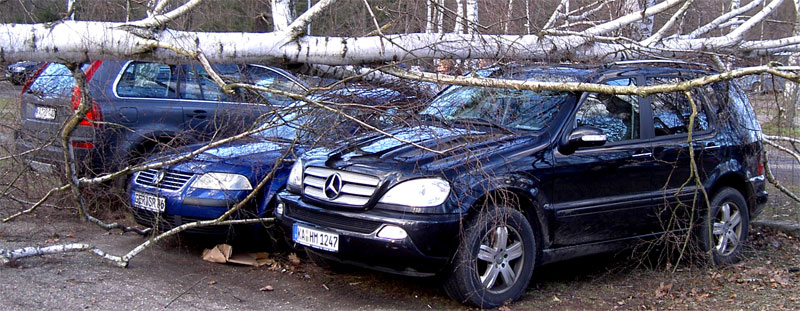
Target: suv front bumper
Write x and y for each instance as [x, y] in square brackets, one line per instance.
[431, 240]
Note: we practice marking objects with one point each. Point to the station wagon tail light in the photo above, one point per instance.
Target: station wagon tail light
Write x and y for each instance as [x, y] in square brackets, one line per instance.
[82, 144]
[423, 192]
[760, 167]
[93, 115]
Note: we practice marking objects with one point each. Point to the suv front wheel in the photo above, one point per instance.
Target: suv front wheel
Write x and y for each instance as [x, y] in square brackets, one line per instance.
[495, 259]
[723, 233]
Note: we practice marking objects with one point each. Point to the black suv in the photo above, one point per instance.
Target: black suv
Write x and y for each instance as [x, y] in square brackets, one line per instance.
[138, 107]
[491, 182]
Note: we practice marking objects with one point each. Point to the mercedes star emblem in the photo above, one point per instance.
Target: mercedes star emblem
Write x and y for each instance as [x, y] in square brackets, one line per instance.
[333, 186]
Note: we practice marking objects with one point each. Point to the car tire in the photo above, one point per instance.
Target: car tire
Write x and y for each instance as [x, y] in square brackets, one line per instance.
[723, 234]
[499, 247]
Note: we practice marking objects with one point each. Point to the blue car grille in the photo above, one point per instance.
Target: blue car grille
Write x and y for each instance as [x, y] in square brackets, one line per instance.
[169, 180]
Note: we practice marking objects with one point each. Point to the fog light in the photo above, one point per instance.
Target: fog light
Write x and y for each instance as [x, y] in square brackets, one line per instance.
[279, 209]
[392, 233]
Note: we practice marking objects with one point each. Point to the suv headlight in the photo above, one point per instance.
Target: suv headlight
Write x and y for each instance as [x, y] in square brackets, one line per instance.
[222, 181]
[423, 192]
[295, 182]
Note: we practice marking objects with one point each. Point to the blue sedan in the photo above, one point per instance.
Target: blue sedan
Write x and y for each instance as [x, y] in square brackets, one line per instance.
[205, 186]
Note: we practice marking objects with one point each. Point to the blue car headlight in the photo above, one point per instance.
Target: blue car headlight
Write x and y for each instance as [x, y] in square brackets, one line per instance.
[423, 192]
[222, 181]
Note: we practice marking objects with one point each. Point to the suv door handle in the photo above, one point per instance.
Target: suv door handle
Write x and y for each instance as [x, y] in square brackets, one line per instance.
[642, 155]
[198, 114]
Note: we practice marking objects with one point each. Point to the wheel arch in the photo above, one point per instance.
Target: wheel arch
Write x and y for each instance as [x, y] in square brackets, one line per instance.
[525, 201]
[738, 182]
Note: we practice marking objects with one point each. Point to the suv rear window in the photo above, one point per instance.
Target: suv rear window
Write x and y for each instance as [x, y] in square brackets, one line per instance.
[54, 81]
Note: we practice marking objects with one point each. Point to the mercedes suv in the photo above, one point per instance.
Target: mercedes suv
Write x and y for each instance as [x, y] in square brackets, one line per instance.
[492, 182]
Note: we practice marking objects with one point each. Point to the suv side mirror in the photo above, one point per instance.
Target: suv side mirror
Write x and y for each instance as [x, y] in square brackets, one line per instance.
[582, 136]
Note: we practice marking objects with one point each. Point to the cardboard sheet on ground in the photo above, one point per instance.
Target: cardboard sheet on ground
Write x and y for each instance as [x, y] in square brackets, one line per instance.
[223, 253]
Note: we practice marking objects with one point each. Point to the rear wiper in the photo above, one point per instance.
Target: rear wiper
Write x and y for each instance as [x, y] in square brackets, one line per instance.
[484, 122]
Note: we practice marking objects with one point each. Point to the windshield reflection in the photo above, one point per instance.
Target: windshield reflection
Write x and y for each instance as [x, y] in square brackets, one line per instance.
[509, 108]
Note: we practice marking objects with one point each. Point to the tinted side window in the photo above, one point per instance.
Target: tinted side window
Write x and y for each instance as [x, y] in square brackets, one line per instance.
[199, 85]
[671, 111]
[149, 80]
[616, 115]
[54, 81]
[264, 77]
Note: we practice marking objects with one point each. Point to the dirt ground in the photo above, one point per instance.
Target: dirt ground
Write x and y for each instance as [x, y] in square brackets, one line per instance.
[172, 274]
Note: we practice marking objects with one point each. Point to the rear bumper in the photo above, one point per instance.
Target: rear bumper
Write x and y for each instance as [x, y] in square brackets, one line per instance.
[760, 195]
[48, 156]
[431, 241]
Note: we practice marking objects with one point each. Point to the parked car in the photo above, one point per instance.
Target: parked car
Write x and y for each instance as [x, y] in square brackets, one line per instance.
[19, 72]
[525, 178]
[139, 107]
[209, 184]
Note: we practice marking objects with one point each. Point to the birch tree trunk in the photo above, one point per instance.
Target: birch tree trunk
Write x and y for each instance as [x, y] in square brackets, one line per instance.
[790, 98]
[282, 14]
[472, 16]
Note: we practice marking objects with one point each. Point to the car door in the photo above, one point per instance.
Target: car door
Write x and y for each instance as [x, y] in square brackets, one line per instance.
[143, 106]
[211, 112]
[605, 193]
[671, 118]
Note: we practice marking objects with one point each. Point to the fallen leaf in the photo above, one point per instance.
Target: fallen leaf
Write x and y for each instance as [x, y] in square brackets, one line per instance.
[732, 296]
[293, 259]
[267, 288]
[212, 282]
[556, 299]
[663, 289]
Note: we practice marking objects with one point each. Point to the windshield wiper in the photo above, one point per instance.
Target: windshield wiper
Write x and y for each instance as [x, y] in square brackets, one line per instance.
[484, 122]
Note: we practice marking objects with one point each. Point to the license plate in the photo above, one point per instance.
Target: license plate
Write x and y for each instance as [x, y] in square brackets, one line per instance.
[315, 238]
[44, 113]
[148, 202]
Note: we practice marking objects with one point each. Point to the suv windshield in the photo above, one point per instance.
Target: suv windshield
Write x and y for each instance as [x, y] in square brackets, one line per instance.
[508, 108]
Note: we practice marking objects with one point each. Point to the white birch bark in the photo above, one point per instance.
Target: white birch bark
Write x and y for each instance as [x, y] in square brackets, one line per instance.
[282, 14]
[429, 16]
[440, 16]
[789, 98]
[78, 41]
[472, 16]
[458, 27]
[509, 14]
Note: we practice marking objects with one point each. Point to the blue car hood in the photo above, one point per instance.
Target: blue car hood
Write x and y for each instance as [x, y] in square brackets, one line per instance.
[248, 158]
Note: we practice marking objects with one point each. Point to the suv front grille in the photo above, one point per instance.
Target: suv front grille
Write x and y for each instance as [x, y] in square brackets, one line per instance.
[171, 180]
[356, 188]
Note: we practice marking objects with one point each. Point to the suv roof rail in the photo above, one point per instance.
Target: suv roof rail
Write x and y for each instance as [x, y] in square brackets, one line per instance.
[679, 63]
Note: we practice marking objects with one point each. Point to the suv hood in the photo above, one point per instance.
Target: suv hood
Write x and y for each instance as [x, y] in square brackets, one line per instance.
[455, 146]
